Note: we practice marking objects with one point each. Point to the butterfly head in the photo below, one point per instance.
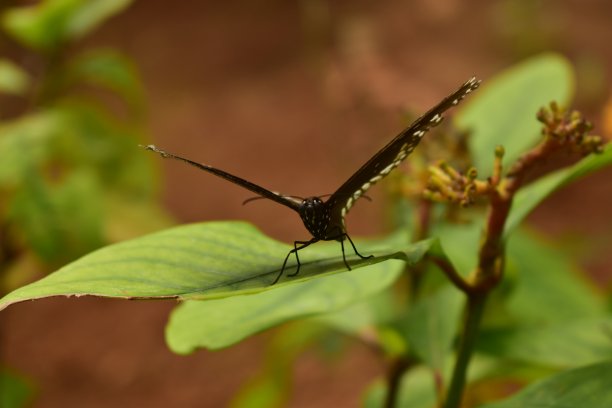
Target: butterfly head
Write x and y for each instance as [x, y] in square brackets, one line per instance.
[315, 216]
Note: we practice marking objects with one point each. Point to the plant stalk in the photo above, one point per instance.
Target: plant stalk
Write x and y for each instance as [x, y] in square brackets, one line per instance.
[475, 307]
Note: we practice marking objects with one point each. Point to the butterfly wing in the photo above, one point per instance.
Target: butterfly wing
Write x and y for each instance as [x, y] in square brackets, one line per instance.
[290, 202]
[389, 157]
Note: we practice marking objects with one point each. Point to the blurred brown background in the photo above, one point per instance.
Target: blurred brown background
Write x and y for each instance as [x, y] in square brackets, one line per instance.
[294, 96]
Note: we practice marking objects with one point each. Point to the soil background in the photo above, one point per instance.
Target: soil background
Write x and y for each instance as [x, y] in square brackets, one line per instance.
[294, 96]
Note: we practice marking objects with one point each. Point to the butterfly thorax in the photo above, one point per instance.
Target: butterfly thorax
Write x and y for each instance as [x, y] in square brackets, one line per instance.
[315, 216]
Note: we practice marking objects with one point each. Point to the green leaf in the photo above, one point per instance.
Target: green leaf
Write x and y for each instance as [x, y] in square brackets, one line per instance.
[503, 112]
[586, 387]
[48, 24]
[549, 286]
[431, 325]
[201, 261]
[15, 391]
[91, 14]
[13, 79]
[560, 345]
[221, 323]
[60, 222]
[532, 195]
[26, 143]
[111, 70]
[460, 242]
[94, 140]
[363, 315]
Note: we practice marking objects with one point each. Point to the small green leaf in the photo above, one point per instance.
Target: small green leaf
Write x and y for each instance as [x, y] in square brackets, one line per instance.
[560, 345]
[530, 196]
[201, 261]
[60, 222]
[91, 14]
[13, 79]
[112, 70]
[460, 242]
[503, 112]
[41, 26]
[431, 325]
[26, 143]
[48, 24]
[586, 387]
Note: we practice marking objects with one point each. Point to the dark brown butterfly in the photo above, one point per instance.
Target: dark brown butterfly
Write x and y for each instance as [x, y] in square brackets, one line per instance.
[325, 219]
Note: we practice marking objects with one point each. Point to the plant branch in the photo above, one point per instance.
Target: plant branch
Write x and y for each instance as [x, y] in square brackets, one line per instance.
[473, 316]
[561, 130]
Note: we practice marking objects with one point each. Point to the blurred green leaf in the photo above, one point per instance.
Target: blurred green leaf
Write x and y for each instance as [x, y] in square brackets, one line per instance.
[13, 79]
[26, 143]
[92, 139]
[586, 387]
[77, 136]
[460, 242]
[15, 392]
[549, 286]
[559, 345]
[504, 111]
[92, 13]
[532, 195]
[110, 69]
[41, 26]
[60, 222]
[272, 386]
[431, 325]
[202, 261]
[48, 24]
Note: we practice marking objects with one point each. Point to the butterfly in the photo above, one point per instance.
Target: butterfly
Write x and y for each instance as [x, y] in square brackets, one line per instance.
[325, 219]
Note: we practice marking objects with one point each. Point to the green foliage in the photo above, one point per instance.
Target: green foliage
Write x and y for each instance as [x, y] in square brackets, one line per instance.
[586, 387]
[13, 80]
[71, 177]
[59, 222]
[68, 159]
[210, 260]
[110, 70]
[50, 24]
[547, 285]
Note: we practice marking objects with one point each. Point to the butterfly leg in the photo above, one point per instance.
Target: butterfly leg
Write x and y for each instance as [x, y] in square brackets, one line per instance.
[296, 248]
[344, 255]
[355, 249]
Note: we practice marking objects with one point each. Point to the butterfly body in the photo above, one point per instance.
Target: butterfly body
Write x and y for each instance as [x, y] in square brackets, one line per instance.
[316, 216]
[325, 219]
